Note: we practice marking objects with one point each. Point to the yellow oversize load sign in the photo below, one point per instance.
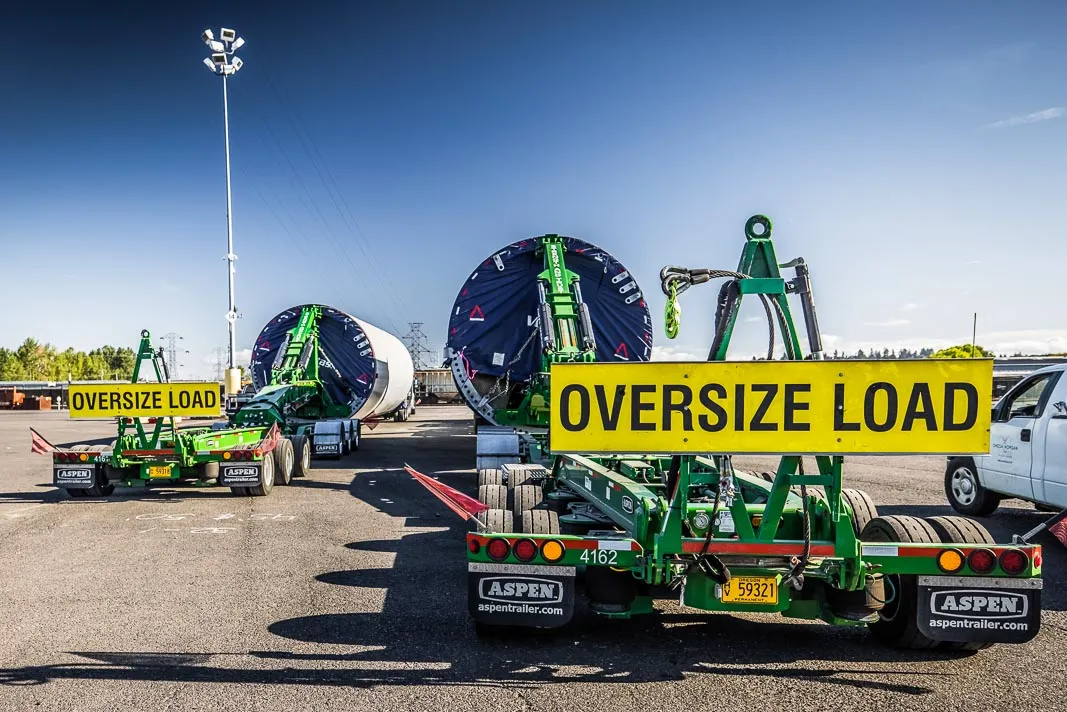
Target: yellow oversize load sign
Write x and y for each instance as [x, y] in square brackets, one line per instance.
[144, 400]
[775, 407]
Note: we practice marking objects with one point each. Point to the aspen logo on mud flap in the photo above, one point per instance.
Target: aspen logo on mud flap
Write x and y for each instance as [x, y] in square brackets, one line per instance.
[979, 604]
[520, 590]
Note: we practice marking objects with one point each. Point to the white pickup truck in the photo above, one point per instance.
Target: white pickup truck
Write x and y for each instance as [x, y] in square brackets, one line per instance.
[1027, 457]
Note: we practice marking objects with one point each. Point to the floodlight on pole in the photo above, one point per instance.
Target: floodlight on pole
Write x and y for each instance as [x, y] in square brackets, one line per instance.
[223, 63]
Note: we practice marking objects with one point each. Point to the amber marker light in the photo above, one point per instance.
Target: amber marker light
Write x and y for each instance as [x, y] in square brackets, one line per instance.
[950, 561]
[552, 551]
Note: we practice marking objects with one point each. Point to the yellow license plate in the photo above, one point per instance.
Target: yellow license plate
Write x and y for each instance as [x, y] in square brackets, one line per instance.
[750, 589]
[163, 471]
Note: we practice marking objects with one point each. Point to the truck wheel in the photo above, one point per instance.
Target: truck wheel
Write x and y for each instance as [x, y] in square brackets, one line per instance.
[526, 498]
[240, 491]
[301, 456]
[964, 492]
[517, 478]
[496, 496]
[207, 471]
[862, 506]
[497, 521]
[490, 477]
[263, 489]
[357, 432]
[283, 461]
[960, 530]
[540, 521]
[102, 488]
[897, 623]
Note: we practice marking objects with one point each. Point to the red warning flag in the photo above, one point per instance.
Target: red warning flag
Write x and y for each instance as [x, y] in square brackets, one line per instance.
[463, 505]
[271, 439]
[1059, 530]
[39, 445]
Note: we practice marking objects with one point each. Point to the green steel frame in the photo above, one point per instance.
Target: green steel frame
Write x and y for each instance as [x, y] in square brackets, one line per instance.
[670, 513]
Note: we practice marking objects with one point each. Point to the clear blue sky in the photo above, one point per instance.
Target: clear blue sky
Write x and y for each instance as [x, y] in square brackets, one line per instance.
[913, 153]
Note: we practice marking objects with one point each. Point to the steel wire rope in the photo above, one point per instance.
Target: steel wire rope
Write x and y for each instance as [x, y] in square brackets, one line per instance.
[297, 236]
[358, 239]
[329, 229]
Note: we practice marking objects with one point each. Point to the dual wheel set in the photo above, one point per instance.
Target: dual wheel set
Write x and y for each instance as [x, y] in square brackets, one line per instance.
[290, 458]
[516, 502]
[897, 623]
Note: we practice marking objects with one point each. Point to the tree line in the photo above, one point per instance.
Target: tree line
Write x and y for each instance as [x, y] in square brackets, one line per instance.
[34, 361]
[959, 351]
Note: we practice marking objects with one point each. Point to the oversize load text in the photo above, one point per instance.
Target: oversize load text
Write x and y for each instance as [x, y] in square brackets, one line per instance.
[144, 400]
[770, 407]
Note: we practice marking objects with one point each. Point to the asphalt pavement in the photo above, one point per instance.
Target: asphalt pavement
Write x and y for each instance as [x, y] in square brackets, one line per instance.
[347, 591]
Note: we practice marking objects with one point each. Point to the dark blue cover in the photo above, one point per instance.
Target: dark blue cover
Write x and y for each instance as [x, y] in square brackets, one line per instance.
[495, 313]
[346, 359]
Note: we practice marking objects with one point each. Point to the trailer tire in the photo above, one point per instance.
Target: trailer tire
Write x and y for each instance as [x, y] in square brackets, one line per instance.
[102, 488]
[862, 506]
[207, 471]
[283, 461]
[526, 497]
[960, 530]
[499, 521]
[495, 496]
[897, 623]
[540, 521]
[357, 433]
[517, 478]
[267, 484]
[492, 476]
[301, 456]
[964, 492]
[239, 491]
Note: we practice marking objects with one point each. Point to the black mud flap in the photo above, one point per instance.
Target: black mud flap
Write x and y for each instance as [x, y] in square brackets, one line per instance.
[965, 609]
[74, 476]
[239, 474]
[520, 595]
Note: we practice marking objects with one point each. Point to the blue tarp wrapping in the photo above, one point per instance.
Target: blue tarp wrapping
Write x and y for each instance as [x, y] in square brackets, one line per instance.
[346, 359]
[493, 325]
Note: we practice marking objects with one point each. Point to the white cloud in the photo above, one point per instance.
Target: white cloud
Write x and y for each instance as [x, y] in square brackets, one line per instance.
[1029, 342]
[753, 319]
[1054, 112]
[673, 353]
[888, 322]
[912, 306]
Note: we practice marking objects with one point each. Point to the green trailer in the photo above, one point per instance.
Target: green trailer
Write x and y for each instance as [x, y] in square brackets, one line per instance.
[621, 509]
[270, 439]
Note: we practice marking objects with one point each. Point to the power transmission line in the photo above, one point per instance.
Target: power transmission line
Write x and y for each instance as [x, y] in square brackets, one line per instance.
[416, 343]
[171, 340]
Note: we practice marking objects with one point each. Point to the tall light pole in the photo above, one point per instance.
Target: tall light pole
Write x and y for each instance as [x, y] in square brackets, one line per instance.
[224, 63]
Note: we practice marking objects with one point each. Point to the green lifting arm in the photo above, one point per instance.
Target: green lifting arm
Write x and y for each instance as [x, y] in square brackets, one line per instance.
[565, 328]
[298, 356]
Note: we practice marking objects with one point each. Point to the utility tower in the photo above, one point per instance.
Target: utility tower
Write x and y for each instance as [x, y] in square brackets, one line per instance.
[172, 349]
[220, 362]
[416, 343]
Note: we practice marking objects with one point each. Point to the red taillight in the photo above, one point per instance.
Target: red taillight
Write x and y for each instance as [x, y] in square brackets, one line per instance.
[498, 549]
[474, 546]
[1014, 562]
[982, 561]
[525, 550]
[1037, 558]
